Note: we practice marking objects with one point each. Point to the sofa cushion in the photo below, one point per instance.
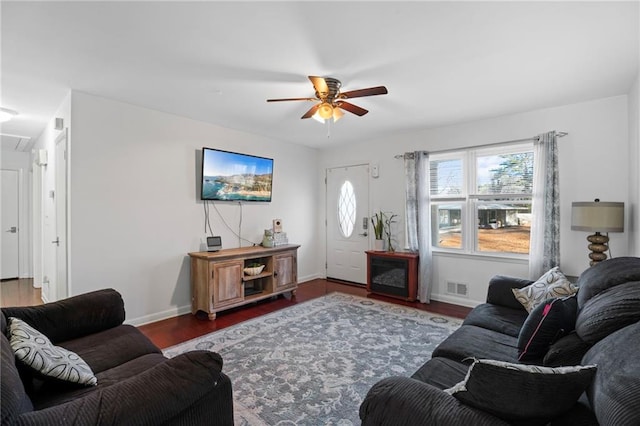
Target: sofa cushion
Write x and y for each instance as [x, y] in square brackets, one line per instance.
[47, 394]
[615, 391]
[497, 318]
[441, 372]
[568, 350]
[608, 311]
[112, 347]
[607, 274]
[80, 315]
[12, 392]
[35, 350]
[552, 284]
[471, 341]
[516, 392]
[546, 323]
[500, 291]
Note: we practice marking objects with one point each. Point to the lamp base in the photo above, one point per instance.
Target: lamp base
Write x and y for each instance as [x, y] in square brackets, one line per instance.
[598, 248]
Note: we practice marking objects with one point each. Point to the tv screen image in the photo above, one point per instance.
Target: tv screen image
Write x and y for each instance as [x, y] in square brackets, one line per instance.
[231, 176]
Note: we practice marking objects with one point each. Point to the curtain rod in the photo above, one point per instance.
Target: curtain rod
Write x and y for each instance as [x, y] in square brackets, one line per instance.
[534, 138]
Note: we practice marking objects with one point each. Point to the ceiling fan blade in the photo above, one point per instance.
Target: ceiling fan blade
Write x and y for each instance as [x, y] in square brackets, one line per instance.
[371, 91]
[311, 111]
[319, 84]
[354, 109]
[291, 99]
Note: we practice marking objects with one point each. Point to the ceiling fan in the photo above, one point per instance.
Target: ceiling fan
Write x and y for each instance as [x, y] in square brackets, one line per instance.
[331, 101]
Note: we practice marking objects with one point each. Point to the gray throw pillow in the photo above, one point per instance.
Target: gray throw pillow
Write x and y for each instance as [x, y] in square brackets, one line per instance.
[516, 392]
[35, 350]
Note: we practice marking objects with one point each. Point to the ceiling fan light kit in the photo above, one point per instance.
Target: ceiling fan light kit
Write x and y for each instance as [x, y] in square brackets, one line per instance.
[331, 102]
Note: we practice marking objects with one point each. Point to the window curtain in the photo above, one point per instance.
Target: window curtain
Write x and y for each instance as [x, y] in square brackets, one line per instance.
[544, 248]
[416, 167]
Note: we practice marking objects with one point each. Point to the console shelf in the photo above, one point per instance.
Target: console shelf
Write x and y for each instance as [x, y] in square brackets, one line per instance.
[218, 281]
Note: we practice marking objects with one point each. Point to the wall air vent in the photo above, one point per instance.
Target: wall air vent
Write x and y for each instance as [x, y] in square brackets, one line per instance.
[459, 289]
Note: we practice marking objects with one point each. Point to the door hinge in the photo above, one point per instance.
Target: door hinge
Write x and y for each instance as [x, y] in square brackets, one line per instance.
[326, 265]
[325, 180]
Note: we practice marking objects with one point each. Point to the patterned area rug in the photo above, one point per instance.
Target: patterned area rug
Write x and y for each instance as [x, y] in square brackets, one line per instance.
[313, 363]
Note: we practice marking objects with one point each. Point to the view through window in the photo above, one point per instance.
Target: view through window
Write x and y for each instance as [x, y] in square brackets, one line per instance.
[481, 199]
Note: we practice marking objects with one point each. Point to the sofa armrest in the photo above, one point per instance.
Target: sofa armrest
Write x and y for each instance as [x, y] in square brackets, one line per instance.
[164, 394]
[500, 293]
[396, 401]
[75, 316]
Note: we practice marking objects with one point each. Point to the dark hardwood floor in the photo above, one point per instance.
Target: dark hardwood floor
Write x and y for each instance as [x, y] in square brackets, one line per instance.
[178, 329]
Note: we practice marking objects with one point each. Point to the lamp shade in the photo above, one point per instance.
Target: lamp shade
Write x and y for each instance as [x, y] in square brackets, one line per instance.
[597, 216]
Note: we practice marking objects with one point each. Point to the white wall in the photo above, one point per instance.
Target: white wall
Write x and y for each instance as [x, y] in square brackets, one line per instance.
[135, 212]
[20, 161]
[593, 161]
[633, 210]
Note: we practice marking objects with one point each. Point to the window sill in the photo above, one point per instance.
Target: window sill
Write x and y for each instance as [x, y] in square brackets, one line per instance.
[493, 257]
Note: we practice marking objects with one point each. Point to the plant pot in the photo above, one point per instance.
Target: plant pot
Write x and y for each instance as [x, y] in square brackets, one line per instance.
[378, 245]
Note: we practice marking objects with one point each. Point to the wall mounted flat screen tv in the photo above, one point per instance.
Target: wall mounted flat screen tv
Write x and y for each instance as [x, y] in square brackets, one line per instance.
[231, 176]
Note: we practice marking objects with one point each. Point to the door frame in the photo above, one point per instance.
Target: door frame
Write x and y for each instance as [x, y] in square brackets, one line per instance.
[20, 222]
[63, 290]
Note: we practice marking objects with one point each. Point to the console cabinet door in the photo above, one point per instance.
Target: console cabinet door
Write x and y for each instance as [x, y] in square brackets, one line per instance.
[227, 282]
[285, 270]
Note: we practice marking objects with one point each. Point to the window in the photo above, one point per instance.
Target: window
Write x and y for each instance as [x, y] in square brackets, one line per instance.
[481, 199]
[346, 209]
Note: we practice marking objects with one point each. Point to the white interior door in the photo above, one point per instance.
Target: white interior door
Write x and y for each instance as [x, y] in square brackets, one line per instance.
[347, 223]
[10, 231]
[61, 217]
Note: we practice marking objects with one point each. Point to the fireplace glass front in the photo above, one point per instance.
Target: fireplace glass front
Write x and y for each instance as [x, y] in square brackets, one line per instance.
[389, 276]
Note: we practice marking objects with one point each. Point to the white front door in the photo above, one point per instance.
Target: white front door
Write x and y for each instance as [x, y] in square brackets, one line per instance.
[348, 223]
[10, 231]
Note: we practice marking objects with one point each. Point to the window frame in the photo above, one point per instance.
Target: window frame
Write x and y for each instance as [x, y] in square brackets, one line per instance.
[470, 198]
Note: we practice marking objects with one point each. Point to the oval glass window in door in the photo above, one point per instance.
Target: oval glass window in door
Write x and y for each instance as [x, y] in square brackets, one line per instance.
[346, 209]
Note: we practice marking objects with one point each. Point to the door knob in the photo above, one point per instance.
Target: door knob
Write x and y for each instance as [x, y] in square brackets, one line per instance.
[12, 230]
[57, 241]
[364, 234]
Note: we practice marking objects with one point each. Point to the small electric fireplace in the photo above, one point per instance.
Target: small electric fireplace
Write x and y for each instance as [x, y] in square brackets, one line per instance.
[393, 274]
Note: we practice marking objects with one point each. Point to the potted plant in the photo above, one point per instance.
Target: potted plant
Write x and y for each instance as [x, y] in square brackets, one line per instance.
[377, 221]
[387, 230]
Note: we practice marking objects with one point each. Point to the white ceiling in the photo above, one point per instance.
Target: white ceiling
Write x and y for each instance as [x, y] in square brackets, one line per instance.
[442, 62]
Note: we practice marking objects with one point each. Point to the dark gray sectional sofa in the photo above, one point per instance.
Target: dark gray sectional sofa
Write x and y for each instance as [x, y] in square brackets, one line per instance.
[136, 384]
[606, 334]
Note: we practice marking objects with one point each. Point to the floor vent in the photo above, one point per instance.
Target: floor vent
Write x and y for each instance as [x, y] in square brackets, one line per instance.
[459, 289]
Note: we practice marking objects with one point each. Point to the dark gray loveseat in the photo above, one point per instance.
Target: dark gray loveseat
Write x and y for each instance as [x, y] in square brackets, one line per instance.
[137, 385]
[607, 334]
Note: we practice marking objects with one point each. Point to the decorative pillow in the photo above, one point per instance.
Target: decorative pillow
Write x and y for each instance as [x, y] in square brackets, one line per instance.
[516, 392]
[548, 322]
[552, 284]
[568, 350]
[35, 350]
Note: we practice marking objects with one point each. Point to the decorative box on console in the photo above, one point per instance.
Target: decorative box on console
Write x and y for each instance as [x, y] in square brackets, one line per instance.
[280, 239]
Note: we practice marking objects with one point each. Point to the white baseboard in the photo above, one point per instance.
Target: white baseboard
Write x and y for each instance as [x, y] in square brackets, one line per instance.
[181, 310]
[159, 316]
[460, 301]
[309, 278]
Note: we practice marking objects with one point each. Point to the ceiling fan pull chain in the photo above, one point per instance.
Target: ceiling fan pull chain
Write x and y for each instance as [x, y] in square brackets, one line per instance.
[328, 128]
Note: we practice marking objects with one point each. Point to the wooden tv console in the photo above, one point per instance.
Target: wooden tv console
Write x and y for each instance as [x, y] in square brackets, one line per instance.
[218, 281]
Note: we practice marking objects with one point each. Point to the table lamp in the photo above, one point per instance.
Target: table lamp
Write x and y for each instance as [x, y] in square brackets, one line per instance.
[596, 216]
